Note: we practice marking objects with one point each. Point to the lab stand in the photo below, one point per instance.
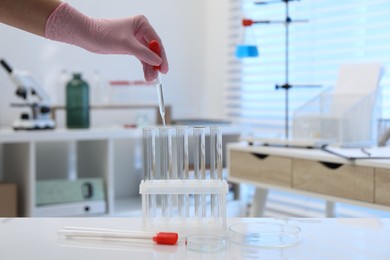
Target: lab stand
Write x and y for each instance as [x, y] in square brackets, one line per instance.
[287, 22]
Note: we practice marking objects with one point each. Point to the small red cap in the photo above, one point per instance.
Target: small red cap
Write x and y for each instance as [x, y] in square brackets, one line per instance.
[166, 238]
[247, 22]
[155, 47]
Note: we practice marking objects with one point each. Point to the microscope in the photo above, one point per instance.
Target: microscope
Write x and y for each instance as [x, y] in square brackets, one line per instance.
[34, 97]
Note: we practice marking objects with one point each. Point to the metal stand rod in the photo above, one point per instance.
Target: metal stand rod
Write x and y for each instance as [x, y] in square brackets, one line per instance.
[287, 85]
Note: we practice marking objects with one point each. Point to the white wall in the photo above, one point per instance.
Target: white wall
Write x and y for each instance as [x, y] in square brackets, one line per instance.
[192, 34]
[215, 81]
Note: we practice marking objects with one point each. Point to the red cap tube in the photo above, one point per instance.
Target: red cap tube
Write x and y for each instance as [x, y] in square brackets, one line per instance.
[155, 47]
[166, 238]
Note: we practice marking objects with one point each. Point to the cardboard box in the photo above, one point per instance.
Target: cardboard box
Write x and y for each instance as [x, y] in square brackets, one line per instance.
[8, 200]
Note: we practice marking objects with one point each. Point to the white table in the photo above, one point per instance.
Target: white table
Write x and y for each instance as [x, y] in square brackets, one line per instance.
[36, 238]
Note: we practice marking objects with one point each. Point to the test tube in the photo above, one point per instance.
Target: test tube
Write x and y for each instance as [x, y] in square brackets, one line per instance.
[149, 153]
[149, 162]
[215, 163]
[165, 138]
[199, 165]
[182, 166]
[216, 153]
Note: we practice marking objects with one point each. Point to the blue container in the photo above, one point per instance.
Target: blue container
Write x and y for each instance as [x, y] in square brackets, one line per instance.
[246, 51]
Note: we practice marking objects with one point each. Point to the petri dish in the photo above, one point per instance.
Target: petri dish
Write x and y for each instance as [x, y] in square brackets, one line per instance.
[205, 242]
[264, 234]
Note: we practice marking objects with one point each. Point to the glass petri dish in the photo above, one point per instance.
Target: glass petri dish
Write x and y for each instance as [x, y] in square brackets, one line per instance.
[205, 242]
[263, 234]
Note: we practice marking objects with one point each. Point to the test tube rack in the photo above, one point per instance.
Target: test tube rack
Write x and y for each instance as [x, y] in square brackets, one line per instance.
[174, 215]
[173, 197]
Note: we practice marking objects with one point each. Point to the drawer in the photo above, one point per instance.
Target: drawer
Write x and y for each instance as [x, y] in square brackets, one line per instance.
[348, 181]
[260, 168]
[382, 186]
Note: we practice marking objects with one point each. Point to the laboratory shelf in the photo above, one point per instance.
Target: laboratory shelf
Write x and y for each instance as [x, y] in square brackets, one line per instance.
[112, 154]
[29, 156]
[10, 136]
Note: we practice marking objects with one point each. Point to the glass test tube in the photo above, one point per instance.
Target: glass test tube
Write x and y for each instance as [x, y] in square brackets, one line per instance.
[182, 167]
[165, 138]
[215, 153]
[149, 162]
[215, 163]
[199, 166]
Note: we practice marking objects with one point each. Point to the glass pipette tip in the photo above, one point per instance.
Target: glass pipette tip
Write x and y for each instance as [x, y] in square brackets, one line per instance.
[155, 47]
[160, 98]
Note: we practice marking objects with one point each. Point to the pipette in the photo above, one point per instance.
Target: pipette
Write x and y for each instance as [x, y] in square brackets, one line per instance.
[161, 238]
[155, 47]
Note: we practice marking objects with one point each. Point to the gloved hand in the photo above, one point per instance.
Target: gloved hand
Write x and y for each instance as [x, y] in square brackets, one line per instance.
[108, 36]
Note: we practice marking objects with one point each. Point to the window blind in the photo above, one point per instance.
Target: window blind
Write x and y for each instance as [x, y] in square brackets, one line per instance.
[337, 32]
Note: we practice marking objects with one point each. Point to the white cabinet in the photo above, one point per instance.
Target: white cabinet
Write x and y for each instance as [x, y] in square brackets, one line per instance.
[28, 156]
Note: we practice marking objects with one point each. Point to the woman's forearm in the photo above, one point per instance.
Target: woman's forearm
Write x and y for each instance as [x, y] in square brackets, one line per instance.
[28, 15]
[61, 22]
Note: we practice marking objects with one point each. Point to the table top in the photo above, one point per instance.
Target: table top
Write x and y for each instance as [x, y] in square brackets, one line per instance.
[37, 238]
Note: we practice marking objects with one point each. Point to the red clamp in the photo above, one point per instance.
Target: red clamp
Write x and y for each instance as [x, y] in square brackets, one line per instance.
[247, 22]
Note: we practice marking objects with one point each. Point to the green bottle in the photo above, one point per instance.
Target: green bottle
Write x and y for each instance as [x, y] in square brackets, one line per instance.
[77, 103]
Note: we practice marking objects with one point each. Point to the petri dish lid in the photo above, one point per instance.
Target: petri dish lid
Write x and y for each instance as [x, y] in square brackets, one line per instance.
[264, 234]
[205, 242]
